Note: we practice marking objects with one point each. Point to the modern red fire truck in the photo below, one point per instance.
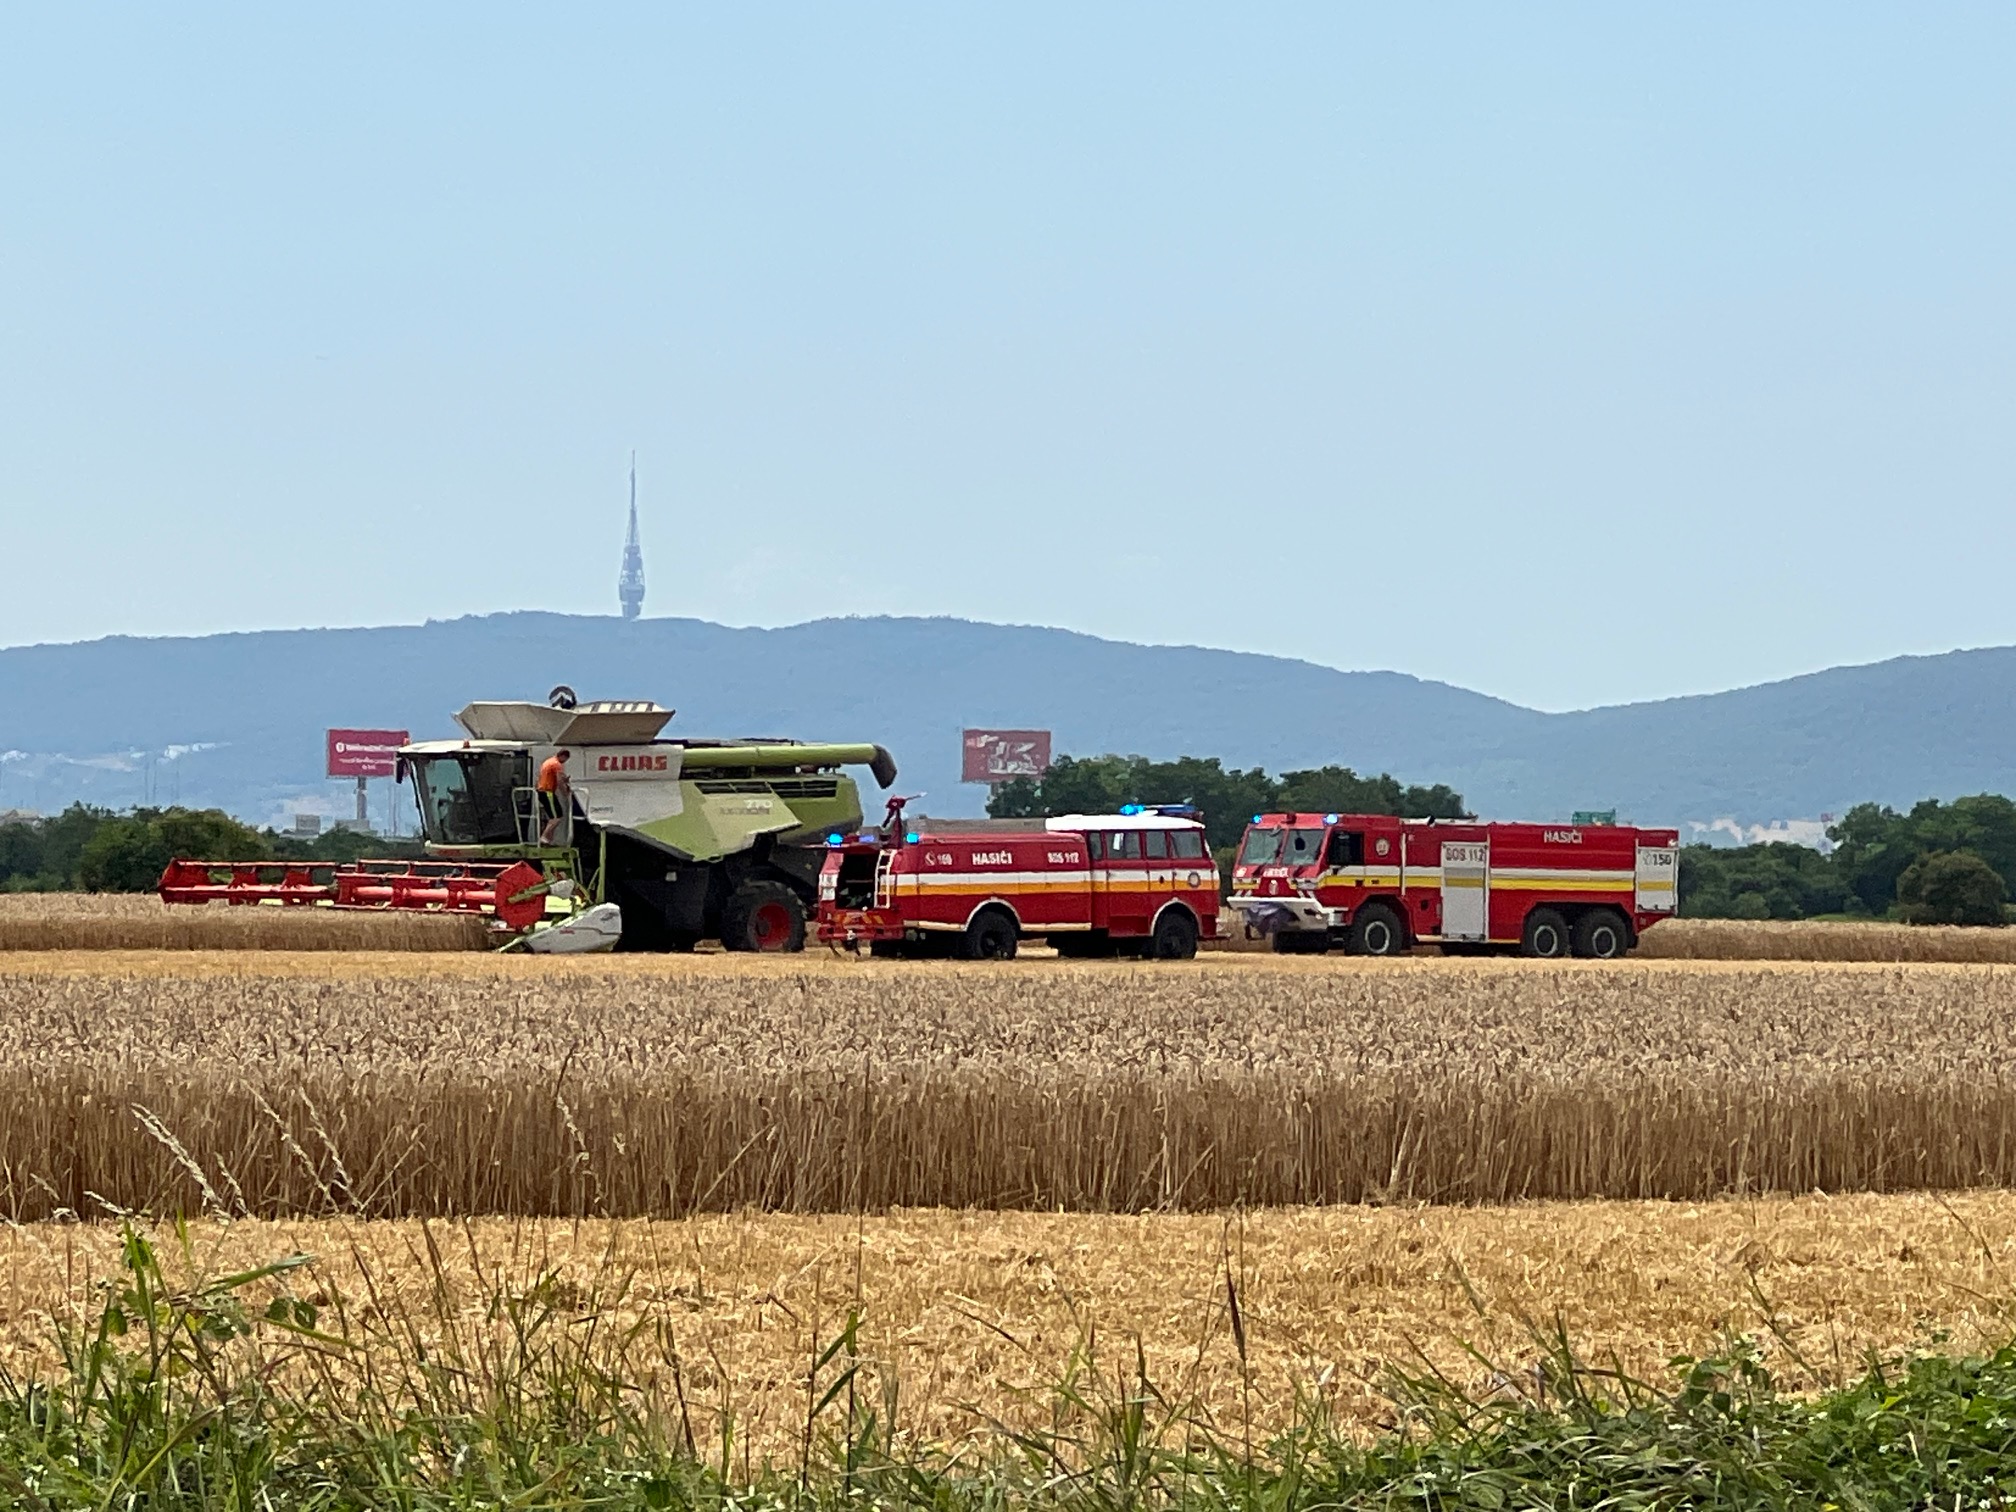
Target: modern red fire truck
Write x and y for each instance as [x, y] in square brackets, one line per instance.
[1138, 882]
[1373, 885]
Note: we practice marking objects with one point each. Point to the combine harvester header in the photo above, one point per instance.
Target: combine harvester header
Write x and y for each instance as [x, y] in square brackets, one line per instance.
[514, 893]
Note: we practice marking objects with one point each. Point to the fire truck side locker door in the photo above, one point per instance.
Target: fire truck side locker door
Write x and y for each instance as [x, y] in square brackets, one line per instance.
[1658, 880]
[1466, 889]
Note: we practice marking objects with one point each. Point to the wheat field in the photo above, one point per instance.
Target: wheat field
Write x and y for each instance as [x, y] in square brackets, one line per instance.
[117, 921]
[43, 922]
[124, 921]
[1806, 940]
[974, 1316]
[466, 1084]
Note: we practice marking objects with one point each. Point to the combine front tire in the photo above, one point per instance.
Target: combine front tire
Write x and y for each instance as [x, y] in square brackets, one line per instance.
[763, 916]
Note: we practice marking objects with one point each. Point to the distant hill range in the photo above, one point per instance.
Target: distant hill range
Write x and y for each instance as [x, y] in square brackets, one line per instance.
[236, 720]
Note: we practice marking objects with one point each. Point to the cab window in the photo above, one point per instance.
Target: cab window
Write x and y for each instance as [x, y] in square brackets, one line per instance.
[1188, 845]
[1123, 845]
[1303, 847]
[1347, 848]
[1155, 845]
[1096, 844]
[1261, 847]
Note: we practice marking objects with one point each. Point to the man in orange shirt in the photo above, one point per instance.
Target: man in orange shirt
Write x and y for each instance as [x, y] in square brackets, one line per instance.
[554, 792]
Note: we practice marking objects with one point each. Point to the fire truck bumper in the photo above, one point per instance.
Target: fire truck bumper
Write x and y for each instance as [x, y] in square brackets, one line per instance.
[844, 925]
[1270, 915]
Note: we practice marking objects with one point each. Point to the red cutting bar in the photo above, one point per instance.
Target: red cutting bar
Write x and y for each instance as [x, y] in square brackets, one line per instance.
[492, 887]
[248, 882]
[477, 887]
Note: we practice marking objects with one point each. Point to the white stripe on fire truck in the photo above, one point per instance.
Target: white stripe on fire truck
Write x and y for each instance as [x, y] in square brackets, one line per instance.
[998, 881]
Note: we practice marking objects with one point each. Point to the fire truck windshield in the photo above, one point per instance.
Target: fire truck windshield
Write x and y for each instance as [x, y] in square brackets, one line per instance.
[1261, 847]
[1304, 847]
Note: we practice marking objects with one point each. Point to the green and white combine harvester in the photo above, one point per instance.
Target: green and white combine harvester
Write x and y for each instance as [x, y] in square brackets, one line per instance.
[664, 843]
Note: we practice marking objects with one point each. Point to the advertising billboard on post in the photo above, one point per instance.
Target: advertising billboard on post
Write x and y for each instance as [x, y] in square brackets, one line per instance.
[1002, 755]
[364, 753]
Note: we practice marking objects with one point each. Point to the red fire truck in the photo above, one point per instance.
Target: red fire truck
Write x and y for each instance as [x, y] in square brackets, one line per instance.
[1376, 886]
[1138, 882]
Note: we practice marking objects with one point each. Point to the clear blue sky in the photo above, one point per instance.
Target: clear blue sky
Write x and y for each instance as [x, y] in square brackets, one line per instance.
[1573, 354]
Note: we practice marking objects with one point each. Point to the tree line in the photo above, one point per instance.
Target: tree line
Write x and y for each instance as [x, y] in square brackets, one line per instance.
[88, 849]
[1938, 863]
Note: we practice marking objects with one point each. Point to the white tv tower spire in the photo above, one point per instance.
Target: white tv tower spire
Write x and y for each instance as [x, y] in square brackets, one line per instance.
[630, 586]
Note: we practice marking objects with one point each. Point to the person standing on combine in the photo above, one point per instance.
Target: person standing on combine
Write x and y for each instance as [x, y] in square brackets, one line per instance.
[555, 793]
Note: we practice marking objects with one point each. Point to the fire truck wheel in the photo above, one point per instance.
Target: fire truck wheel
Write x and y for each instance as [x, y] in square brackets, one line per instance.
[1601, 935]
[990, 937]
[763, 916]
[1377, 931]
[1175, 936]
[1545, 935]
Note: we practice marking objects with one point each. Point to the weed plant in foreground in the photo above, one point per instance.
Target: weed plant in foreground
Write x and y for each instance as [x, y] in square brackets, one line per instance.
[257, 1389]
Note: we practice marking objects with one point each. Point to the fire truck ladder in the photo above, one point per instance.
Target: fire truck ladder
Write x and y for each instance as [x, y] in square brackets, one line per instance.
[885, 869]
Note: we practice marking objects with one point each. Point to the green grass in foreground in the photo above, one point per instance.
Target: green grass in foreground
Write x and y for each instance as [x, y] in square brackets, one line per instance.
[239, 1393]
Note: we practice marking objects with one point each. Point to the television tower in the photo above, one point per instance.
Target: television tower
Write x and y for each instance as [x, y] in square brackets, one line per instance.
[630, 586]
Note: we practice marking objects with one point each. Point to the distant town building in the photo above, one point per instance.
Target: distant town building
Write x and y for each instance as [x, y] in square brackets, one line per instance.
[19, 816]
[630, 586]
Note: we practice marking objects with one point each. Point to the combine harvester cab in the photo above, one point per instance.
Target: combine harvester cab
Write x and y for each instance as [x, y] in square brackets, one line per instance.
[1374, 885]
[1139, 882]
[664, 842]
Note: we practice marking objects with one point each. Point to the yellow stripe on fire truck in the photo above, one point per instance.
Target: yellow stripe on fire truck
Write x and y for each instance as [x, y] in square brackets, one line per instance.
[1561, 879]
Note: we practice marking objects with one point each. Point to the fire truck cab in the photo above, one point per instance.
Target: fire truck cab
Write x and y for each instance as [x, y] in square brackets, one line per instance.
[1140, 882]
[1374, 885]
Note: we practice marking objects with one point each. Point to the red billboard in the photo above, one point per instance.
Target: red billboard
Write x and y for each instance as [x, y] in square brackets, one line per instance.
[1000, 755]
[364, 753]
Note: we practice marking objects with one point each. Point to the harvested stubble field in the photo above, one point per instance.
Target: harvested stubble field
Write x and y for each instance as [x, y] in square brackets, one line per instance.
[124, 921]
[971, 1318]
[429, 1085]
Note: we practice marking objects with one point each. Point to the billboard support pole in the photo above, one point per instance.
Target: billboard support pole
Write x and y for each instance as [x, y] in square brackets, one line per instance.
[363, 813]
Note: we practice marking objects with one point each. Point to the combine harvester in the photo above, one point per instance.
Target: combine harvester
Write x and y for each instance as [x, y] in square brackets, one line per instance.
[665, 842]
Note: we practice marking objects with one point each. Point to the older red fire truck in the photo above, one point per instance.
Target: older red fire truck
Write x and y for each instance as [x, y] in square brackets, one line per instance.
[1137, 882]
[1376, 886]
